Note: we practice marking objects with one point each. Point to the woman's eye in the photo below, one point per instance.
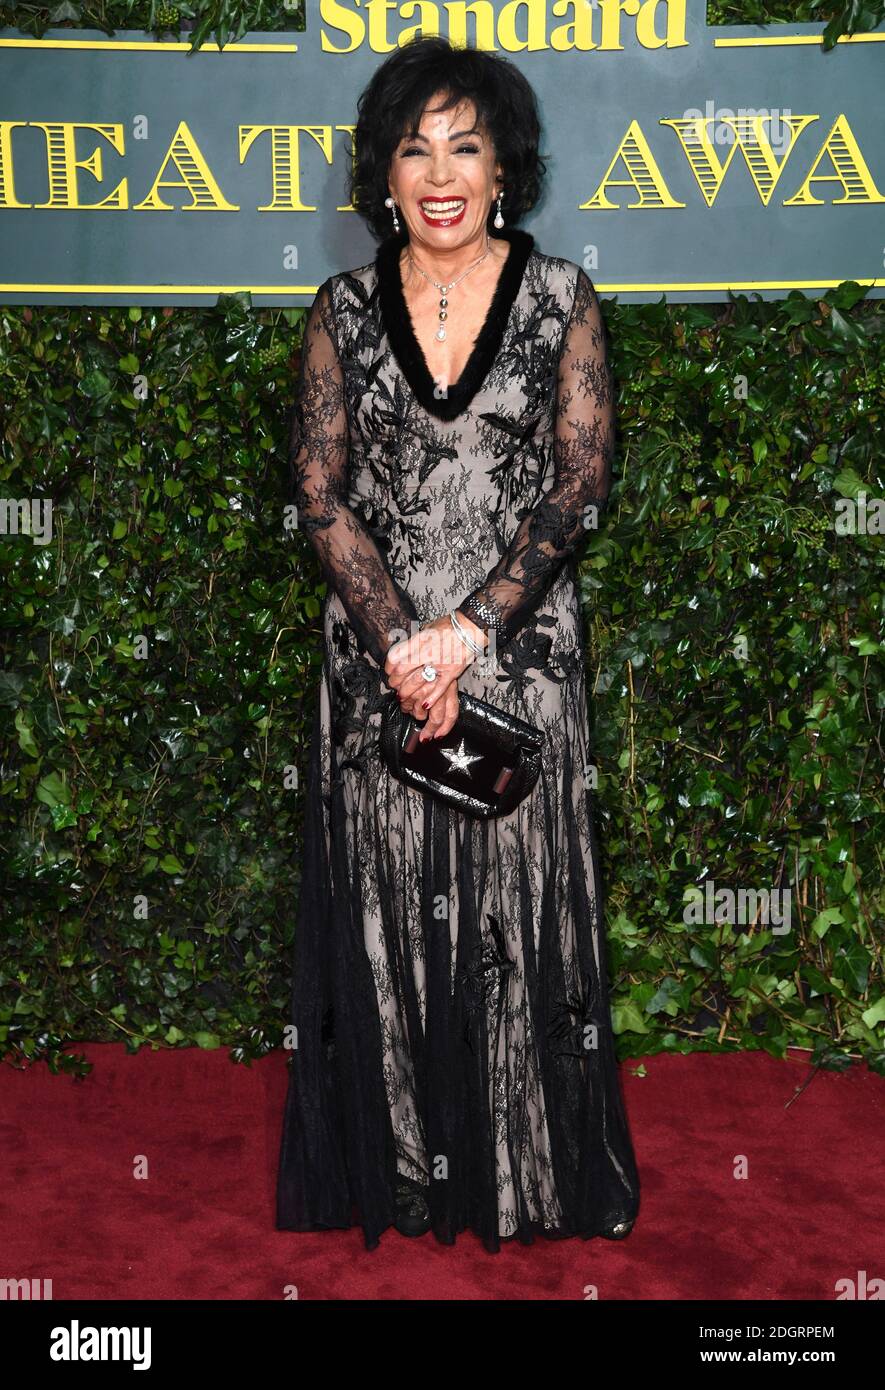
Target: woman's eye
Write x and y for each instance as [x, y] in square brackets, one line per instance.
[415, 149]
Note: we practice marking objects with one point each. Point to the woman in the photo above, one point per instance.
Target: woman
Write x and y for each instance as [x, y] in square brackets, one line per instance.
[453, 1062]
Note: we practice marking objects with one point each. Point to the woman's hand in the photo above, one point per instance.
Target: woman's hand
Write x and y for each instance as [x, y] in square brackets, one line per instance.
[442, 716]
[439, 645]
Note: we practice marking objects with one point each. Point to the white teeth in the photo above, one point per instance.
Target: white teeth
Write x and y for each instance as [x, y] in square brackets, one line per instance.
[442, 209]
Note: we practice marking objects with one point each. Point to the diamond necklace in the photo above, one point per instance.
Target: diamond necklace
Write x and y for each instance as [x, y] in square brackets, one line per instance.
[444, 302]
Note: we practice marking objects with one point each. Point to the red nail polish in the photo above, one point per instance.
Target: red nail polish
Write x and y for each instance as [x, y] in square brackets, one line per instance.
[426, 704]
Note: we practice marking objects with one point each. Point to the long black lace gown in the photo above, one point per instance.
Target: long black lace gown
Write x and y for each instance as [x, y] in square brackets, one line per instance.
[450, 993]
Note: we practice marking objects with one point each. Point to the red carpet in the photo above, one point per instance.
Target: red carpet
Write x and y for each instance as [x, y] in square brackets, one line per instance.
[201, 1225]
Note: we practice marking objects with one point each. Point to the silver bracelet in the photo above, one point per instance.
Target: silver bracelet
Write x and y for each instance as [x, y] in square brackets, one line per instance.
[473, 645]
[486, 613]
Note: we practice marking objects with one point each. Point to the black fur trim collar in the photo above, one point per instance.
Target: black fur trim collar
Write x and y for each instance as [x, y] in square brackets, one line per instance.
[401, 331]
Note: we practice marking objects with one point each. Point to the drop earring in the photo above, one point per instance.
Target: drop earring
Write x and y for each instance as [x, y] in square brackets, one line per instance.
[499, 220]
[390, 203]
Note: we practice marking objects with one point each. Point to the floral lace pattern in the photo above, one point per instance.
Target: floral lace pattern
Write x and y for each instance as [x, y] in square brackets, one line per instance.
[319, 448]
[583, 445]
[450, 989]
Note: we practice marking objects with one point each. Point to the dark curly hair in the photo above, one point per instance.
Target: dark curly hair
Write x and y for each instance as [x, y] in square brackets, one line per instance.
[391, 106]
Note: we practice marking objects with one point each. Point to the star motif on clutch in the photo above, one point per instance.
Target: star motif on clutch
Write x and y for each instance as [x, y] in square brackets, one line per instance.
[460, 758]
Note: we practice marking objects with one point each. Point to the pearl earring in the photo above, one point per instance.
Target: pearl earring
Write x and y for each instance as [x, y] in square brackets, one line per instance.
[390, 203]
[499, 220]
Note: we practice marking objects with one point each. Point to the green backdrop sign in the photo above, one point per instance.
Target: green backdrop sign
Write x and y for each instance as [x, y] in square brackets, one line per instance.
[684, 160]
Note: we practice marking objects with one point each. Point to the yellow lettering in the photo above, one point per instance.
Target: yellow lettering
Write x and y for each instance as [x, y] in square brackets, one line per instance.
[196, 177]
[424, 26]
[7, 173]
[646, 32]
[62, 164]
[340, 17]
[476, 24]
[750, 139]
[285, 161]
[645, 13]
[536, 26]
[850, 166]
[483, 32]
[644, 176]
[611, 20]
[577, 35]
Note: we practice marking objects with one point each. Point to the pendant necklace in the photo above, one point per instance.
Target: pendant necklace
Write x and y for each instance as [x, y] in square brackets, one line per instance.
[444, 302]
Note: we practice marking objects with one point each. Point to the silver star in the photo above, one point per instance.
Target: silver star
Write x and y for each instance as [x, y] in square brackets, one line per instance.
[460, 758]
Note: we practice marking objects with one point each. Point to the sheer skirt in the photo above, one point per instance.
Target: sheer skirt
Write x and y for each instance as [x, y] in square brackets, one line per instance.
[450, 997]
[450, 992]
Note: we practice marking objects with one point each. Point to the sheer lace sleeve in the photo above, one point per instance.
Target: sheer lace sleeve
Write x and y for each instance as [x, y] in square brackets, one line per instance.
[571, 508]
[378, 609]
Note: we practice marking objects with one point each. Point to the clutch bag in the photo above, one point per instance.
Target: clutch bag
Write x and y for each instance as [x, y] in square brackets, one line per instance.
[483, 767]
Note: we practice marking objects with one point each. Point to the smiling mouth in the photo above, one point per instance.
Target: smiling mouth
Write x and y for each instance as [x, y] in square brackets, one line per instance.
[442, 209]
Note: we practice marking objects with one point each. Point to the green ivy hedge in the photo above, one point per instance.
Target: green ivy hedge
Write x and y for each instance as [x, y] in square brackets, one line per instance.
[160, 660]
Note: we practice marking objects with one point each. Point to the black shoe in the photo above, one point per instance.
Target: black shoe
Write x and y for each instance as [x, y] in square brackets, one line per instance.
[412, 1212]
[618, 1232]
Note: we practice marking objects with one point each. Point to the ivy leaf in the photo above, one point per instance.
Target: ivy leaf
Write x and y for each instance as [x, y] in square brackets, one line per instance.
[875, 1014]
[53, 791]
[626, 1018]
[845, 329]
[824, 920]
[25, 735]
[848, 484]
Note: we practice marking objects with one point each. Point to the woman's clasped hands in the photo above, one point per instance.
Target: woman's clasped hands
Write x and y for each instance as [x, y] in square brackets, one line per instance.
[437, 645]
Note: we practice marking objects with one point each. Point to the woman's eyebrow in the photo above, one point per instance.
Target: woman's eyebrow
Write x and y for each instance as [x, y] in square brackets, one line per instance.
[456, 136]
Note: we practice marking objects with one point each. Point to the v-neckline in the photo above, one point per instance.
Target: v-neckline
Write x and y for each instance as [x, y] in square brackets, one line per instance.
[404, 341]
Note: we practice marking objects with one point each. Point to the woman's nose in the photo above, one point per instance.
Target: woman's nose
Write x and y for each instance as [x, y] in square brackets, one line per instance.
[440, 169]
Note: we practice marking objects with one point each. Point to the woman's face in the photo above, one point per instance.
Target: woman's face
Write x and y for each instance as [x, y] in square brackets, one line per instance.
[446, 180]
